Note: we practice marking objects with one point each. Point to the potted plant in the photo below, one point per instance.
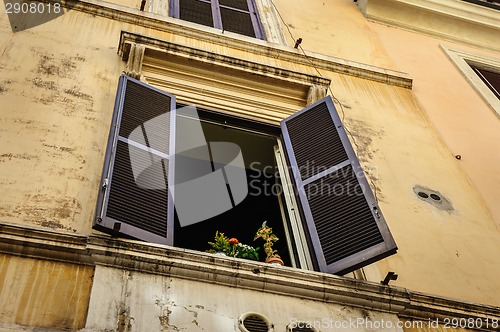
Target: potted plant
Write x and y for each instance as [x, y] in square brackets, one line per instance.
[220, 245]
[266, 233]
[231, 247]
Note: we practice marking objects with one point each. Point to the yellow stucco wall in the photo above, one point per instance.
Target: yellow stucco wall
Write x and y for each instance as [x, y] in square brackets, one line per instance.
[57, 88]
[44, 293]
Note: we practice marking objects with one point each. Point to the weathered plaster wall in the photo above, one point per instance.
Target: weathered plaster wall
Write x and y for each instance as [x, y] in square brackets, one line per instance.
[336, 28]
[406, 138]
[144, 302]
[466, 123]
[43, 293]
[57, 88]
[58, 81]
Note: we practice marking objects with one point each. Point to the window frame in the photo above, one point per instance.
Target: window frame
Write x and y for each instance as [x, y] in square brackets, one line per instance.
[217, 17]
[305, 247]
[268, 98]
[464, 61]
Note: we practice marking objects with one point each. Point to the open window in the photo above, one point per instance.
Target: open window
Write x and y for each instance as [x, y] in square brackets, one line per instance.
[256, 142]
[238, 16]
[303, 178]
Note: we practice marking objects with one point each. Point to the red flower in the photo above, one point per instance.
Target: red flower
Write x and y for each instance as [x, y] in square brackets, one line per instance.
[233, 241]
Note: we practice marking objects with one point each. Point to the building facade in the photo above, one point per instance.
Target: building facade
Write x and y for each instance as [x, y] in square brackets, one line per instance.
[364, 133]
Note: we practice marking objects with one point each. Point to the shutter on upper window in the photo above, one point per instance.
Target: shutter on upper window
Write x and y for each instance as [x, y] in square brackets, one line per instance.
[134, 199]
[346, 226]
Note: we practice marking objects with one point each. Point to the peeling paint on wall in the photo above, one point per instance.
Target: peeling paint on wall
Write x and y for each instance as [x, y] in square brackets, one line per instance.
[362, 136]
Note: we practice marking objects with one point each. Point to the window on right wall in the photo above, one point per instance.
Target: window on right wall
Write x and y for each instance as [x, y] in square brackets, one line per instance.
[490, 78]
[482, 72]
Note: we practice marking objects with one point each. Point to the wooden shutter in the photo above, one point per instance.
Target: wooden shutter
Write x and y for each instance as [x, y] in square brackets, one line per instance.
[346, 226]
[134, 199]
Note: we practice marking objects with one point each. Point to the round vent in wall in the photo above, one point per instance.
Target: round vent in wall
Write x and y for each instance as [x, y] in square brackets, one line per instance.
[254, 322]
[300, 327]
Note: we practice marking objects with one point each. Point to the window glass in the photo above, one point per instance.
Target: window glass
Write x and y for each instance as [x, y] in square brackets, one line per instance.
[490, 78]
[196, 11]
[236, 21]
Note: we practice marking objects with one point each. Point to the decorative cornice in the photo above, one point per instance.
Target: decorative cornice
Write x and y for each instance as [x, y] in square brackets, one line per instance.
[128, 40]
[188, 264]
[446, 19]
[239, 42]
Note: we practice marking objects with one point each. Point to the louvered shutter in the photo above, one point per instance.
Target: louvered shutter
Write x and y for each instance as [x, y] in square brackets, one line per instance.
[134, 199]
[346, 226]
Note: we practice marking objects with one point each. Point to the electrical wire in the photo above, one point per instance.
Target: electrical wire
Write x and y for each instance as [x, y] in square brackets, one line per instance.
[335, 99]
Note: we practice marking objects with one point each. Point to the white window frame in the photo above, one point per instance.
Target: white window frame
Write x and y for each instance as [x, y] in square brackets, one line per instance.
[463, 61]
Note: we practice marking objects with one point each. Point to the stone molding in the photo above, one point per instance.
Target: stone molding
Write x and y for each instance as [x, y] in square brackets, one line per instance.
[129, 41]
[238, 42]
[134, 63]
[453, 20]
[96, 249]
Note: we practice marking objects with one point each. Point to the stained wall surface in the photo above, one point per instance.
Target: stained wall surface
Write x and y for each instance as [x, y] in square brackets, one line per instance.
[57, 89]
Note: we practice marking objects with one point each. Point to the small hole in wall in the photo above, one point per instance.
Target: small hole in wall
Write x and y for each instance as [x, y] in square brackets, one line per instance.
[435, 197]
[422, 194]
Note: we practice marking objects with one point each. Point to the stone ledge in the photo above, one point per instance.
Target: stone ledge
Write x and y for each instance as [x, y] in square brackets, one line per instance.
[188, 264]
[239, 42]
[453, 20]
[128, 38]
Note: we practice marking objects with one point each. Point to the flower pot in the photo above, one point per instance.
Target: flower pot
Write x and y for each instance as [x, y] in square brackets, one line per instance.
[275, 260]
[220, 253]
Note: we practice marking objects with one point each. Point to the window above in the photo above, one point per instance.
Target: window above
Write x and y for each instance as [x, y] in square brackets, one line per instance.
[238, 16]
[495, 4]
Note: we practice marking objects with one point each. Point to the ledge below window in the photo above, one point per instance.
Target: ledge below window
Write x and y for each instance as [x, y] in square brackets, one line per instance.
[137, 256]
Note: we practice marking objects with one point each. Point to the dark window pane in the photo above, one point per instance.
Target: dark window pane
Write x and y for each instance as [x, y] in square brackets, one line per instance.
[239, 4]
[490, 78]
[196, 11]
[237, 22]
